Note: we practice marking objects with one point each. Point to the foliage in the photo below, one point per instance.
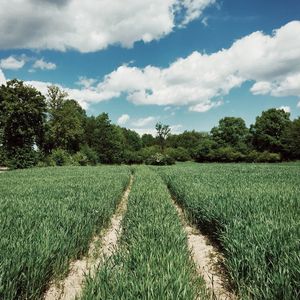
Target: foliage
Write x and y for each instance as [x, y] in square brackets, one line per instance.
[91, 155]
[64, 127]
[48, 217]
[132, 157]
[22, 158]
[163, 131]
[61, 157]
[160, 159]
[153, 260]
[252, 211]
[178, 154]
[268, 130]
[22, 115]
[231, 132]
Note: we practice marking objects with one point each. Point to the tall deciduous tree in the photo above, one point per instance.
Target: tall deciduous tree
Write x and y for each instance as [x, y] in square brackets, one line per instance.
[268, 130]
[162, 132]
[231, 132]
[22, 114]
[65, 126]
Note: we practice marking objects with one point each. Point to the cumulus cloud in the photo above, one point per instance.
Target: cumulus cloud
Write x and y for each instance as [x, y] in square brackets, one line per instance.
[144, 121]
[83, 96]
[43, 65]
[201, 80]
[122, 120]
[86, 82]
[91, 25]
[12, 63]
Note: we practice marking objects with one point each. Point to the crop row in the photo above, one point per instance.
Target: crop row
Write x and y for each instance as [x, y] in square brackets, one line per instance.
[48, 216]
[153, 260]
[252, 211]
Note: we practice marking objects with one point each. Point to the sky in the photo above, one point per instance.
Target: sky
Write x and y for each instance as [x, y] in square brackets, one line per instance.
[185, 63]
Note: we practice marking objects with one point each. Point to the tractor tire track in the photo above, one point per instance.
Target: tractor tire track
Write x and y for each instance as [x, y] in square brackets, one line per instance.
[71, 287]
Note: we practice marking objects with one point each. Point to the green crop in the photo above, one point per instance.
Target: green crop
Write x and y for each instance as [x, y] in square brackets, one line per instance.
[153, 260]
[47, 217]
[253, 212]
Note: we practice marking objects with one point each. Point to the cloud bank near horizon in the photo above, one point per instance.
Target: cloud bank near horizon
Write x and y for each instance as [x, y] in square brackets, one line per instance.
[200, 81]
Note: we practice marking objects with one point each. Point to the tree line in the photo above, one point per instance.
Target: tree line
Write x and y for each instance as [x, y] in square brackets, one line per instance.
[55, 130]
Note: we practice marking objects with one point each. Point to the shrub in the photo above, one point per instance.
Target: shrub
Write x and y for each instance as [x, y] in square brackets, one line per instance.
[79, 159]
[178, 154]
[226, 154]
[133, 157]
[159, 159]
[91, 155]
[22, 158]
[261, 157]
[60, 157]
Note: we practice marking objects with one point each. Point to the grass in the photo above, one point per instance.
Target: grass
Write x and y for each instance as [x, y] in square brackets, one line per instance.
[48, 216]
[253, 212]
[153, 261]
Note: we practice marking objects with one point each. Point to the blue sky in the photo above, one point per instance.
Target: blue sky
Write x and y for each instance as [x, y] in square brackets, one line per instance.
[186, 63]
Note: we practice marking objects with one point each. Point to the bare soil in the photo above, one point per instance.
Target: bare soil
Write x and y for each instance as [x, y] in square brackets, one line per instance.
[101, 248]
[207, 260]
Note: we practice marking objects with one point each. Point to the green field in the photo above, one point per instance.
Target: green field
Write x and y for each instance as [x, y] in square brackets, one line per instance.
[48, 216]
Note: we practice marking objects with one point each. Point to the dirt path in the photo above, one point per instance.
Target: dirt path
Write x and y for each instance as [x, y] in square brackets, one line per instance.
[207, 259]
[72, 285]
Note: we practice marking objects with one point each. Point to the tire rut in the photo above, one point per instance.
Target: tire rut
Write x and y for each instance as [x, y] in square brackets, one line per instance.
[206, 259]
[71, 287]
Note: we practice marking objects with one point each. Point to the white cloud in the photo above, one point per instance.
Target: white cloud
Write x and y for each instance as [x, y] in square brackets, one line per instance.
[84, 96]
[91, 25]
[2, 78]
[298, 105]
[122, 120]
[12, 63]
[144, 121]
[86, 82]
[285, 108]
[43, 65]
[200, 80]
[194, 9]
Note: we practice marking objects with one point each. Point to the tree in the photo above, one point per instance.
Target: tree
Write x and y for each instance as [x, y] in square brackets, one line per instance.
[65, 126]
[148, 140]
[108, 140]
[268, 130]
[163, 132]
[291, 140]
[22, 114]
[231, 132]
[133, 141]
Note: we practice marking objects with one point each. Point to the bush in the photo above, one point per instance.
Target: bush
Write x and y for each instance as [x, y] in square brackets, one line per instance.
[22, 158]
[159, 159]
[91, 155]
[60, 157]
[260, 157]
[79, 159]
[148, 151]
[204, 150]
[133, 157]
[226, 154]
[178, 154]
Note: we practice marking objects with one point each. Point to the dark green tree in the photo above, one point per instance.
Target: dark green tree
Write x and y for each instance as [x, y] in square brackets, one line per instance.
[148, 140]
[162, 132]
[268, 130]
[291, 140]
[133, 141]
[22, 115]
[231, 132]
[65, 126]
[108, 140]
